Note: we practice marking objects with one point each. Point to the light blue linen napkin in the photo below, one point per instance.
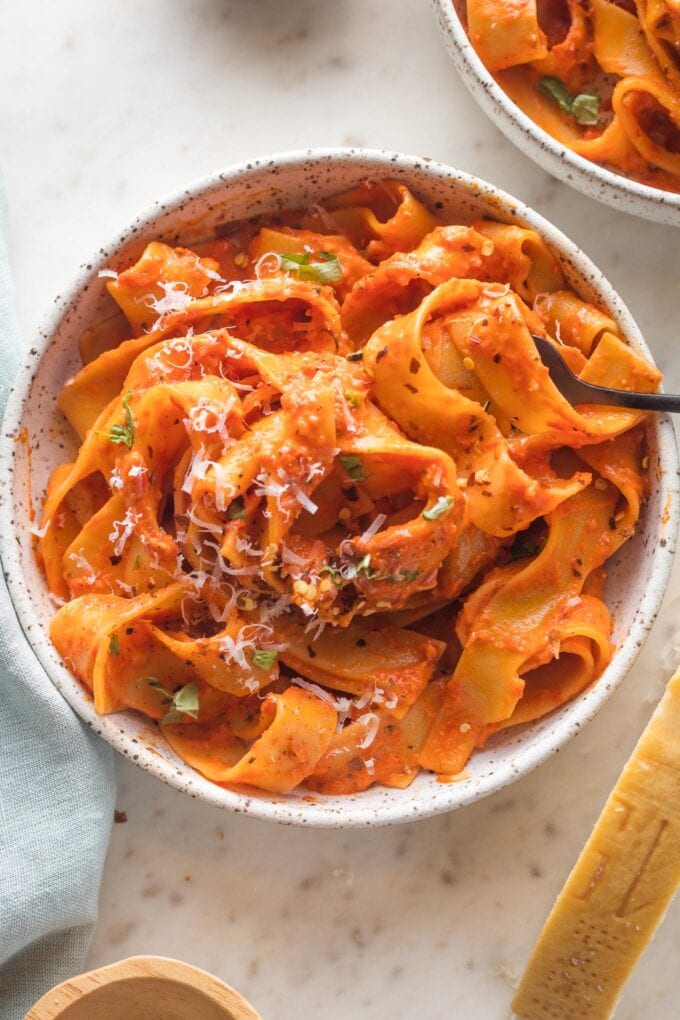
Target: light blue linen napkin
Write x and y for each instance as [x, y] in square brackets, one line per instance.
[56, 789]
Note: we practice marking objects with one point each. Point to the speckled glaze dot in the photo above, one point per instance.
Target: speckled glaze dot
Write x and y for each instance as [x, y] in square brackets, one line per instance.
[638, 574]
[593, 180]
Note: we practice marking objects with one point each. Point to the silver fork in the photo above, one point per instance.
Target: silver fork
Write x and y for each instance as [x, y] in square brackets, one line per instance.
[578, 392]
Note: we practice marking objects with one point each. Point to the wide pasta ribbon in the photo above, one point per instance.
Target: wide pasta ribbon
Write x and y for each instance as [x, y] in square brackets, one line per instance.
[295, 316]
[382, 216]
[501, 498]
[506, 34]
[495, 252]
[512, 622]
[288, 473]
[298, 729]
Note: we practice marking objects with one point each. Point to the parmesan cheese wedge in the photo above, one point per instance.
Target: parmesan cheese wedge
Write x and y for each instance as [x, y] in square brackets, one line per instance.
[620, 887]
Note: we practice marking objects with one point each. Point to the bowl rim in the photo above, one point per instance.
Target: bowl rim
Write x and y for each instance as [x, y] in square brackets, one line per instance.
[590, 178]
[293, 809]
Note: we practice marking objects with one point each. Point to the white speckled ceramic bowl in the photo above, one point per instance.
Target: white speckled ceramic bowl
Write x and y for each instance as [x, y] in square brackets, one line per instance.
[590, 178]
[638, 575]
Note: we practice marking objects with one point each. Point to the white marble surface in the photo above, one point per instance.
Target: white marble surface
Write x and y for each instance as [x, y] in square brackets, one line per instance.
[105, 107]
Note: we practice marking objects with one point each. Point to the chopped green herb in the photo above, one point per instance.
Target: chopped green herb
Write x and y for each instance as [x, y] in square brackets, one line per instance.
[327, 270]
[354, 466]
[523, 550]
[182, 702]
[335, 572]
[264, 659]
[585, 107]
[114, 645]
[438, 509]
[154, 682]
[237, 510]
[405, 575]
[137, 563]
[353, 398]
[124, 433]
[362, 567]
[350, 571]
[557, 90]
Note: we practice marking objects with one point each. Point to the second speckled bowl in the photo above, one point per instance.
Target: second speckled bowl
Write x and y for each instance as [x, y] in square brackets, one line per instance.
[590, 178]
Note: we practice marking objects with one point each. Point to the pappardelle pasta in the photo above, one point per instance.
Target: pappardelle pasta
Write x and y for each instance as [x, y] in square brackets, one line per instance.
[600, 76]
[330, 522]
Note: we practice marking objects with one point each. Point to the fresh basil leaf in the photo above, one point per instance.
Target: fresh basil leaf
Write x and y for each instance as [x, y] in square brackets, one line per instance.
[327, 270]
[438, 509]
[264, 659]
[586, 108]
[362, 567]
[186, 700]
[407, 575]
[295, 258]
[523, 550]
[334, 572]
[156, 685]
[354, 466]
[557, 90]
[237, 510]
[182, 702]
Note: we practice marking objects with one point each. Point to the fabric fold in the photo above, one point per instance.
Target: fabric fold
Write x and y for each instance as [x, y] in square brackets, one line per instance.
[57, 788]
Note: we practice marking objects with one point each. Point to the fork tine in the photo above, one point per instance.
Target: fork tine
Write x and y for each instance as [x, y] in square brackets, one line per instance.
[577, 391]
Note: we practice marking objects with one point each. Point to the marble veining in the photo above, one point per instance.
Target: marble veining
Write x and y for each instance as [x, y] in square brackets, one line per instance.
[119, 104]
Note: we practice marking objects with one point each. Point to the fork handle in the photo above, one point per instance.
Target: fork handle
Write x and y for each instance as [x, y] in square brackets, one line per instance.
[577, 391]
[622, 398]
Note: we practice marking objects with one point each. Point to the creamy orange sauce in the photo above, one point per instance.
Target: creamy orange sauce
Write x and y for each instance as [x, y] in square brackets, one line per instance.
[330, 523]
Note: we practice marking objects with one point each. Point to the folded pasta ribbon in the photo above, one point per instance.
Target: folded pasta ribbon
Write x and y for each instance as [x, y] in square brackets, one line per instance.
[493, 252]
[292, 316]
[115, 646]
[382, 216]
[511, 621]
[501, 498]
[506, 34]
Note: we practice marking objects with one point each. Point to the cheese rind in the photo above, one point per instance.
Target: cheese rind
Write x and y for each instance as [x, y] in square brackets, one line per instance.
[620, 887]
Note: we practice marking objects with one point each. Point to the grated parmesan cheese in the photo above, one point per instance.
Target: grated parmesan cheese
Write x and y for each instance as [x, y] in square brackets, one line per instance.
[372, 722]
[339, 704]
[305, 502]
[214, 529]
[83, 564]
[122, 530]
[40, 532]
[375, 527]
[176, 298]
[115, 481]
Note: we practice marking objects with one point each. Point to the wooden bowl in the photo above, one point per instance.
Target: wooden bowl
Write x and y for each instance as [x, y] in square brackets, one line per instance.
[143, 988]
